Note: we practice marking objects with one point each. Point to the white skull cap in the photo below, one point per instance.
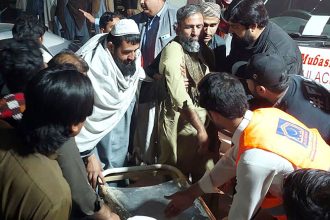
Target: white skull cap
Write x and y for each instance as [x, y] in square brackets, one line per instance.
[125, 27]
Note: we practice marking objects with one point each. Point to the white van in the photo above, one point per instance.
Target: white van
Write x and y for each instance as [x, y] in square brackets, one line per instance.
[308, 23]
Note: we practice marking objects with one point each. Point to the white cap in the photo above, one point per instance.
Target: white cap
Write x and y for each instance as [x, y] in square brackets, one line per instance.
[125, 27]
[211, 9]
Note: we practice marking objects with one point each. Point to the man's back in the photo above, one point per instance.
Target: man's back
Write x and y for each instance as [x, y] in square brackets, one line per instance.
[32, 186]
[295, 103]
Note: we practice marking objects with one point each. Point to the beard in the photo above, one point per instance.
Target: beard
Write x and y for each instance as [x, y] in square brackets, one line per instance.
[253, 92]
[189, 44]
[247, 39]
[126, 68]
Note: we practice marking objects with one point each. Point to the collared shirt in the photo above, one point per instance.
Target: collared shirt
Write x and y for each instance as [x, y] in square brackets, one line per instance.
[158, 15]
[149, 23]
[257, 172]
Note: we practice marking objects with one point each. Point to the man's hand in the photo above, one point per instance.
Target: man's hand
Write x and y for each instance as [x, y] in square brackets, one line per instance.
[203, 141]
[94, 170]
[130, 12]
[180, 201]
[88, 16]
[157, 76]
[104, 213]
[114, 216]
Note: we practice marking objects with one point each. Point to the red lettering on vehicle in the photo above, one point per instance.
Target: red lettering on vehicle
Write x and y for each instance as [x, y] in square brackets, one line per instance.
[318, 77]
[327, 78]
[326, 63]
[316, 61]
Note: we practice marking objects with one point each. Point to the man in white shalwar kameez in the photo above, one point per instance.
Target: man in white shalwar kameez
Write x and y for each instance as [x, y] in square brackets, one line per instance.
[115, 70]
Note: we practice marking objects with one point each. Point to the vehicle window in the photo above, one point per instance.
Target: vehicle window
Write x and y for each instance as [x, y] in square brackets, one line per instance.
[292, 15]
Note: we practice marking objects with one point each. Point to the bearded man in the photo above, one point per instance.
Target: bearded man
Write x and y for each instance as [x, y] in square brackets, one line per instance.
[114, 70]
[253, 33]
[181, 121]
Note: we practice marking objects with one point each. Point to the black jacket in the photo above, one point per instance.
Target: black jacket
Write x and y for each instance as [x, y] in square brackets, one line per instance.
[272, 40]
[298, 105]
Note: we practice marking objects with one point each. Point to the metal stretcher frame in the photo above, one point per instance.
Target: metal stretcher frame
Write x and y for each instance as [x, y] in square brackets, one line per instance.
[116, 174]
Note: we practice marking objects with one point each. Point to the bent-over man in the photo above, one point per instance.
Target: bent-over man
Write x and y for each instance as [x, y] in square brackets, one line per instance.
[114, 70]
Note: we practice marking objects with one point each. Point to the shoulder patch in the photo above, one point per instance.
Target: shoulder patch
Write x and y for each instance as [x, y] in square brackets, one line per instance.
[317, 95]
[293, 132]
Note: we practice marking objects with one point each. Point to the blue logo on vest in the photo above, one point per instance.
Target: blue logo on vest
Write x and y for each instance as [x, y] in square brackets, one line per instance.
[293, 132]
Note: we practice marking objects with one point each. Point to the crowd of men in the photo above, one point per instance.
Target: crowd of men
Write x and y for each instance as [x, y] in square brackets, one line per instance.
[159, 86]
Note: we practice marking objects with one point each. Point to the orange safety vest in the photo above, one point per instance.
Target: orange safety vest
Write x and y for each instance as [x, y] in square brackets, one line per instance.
[275, 131]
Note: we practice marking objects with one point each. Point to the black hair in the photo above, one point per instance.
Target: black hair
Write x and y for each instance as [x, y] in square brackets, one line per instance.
[20, 60]
[56, 98]
[129, 38]
[247, 13]
[109, 16]
[306, 195]
[223, 93]
[28, 27]
[69, 57]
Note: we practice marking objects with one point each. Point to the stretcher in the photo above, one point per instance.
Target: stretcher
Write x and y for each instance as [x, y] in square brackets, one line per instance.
[145, 197]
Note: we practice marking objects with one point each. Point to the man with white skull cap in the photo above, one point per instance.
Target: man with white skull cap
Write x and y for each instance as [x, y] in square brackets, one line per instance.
[114, 70]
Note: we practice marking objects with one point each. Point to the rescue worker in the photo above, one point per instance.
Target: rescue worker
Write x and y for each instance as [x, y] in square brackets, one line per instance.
[267, 145]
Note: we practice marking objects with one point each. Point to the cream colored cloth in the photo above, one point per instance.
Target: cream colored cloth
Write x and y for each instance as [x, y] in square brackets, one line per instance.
[178, 143]
[113, 92]
[109, 5]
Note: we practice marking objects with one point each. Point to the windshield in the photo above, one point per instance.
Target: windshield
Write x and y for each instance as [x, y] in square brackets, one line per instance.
[293, 15]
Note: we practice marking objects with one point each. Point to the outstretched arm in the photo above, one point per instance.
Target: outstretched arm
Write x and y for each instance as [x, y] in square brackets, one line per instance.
[182, 200]
[88, 16]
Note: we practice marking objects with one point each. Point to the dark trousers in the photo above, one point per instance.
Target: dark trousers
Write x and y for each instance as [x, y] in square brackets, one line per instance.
[85, 201]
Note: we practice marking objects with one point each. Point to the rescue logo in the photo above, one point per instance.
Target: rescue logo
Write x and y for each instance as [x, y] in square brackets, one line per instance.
[293, 132]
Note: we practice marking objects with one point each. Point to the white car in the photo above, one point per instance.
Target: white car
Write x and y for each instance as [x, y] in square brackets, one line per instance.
[52, 42]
